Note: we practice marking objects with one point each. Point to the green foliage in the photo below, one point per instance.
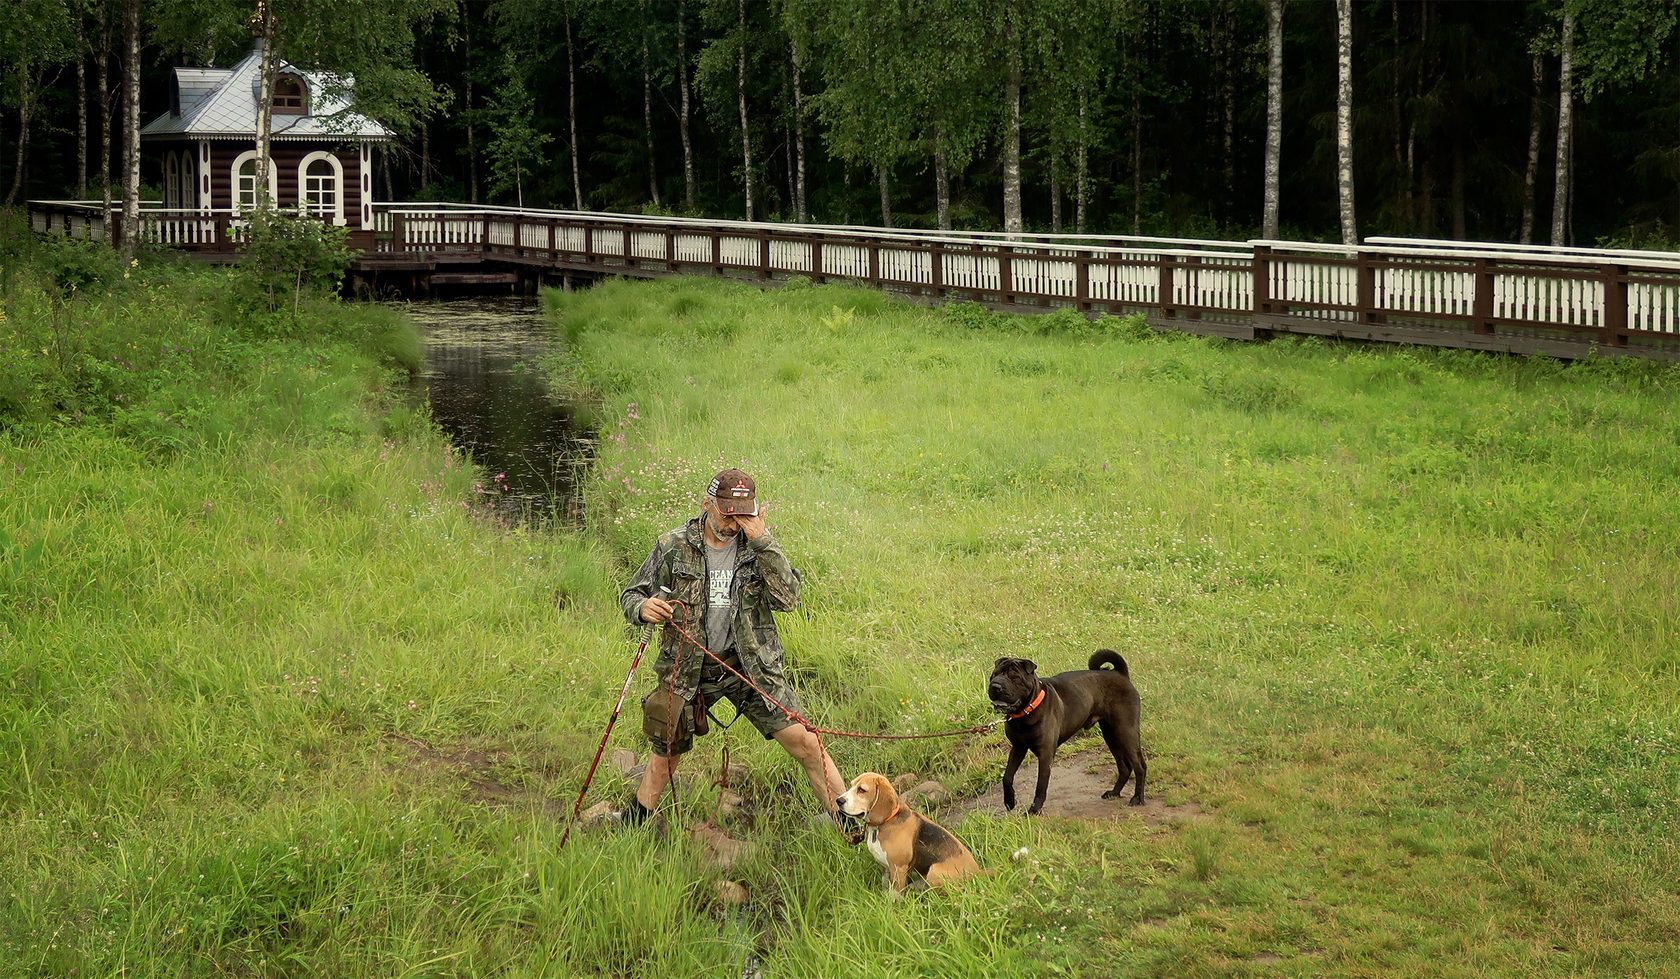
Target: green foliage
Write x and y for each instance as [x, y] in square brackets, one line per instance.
[290, 255]
[517, 148]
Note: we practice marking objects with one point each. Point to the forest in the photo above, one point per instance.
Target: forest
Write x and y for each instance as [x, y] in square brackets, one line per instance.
[1547, 121]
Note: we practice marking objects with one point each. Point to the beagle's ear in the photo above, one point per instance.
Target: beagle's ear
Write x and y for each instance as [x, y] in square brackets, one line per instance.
[883, 800]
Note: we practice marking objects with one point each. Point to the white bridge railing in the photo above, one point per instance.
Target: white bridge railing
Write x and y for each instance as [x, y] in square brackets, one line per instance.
[1382, 288]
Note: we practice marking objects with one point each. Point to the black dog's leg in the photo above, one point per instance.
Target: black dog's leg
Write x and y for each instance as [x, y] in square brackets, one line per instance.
[1122, 764]
[1127, 748]
[1016, 753]
[1045, 753]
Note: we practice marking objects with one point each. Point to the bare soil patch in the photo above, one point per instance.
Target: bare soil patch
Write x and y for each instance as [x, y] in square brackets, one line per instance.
[1077, 783]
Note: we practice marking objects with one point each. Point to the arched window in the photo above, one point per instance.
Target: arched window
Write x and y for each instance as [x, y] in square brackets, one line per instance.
[188, 195]
[291, 98]
[321, 185]
[245, 181]
[171, 181]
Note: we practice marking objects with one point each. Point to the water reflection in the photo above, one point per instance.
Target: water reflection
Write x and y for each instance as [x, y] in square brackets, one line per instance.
[487, 393]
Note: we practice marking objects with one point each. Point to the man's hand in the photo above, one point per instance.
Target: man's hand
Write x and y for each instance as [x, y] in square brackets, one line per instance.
[752, 526]
[656, 610]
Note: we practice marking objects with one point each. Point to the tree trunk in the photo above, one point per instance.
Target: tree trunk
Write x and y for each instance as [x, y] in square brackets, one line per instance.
[886, 197]
[741, 101]
[104, 77]
[571, 112]
[1228, 113]
[941, 179]
[1402, 178]
[1565, 127]
[267, 69]
[1344, 119]
[24, 112]
[131, 127]
[1055, 198]
[425, 156]
[682, 85]
[1012, 136]
[1274, 117]
[1082, 168]
[1536, 119]
[81, 107]
[647, 110]
[801, 214]
[468, 115]
[1137, 152]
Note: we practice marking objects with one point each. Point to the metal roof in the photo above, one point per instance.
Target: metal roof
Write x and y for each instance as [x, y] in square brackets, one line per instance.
[221, 103]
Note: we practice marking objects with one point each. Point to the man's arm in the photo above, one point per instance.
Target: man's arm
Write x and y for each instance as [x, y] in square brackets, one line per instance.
[643, 586]
[781, 579]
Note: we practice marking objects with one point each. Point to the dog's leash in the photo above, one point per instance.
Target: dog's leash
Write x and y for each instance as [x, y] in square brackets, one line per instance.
[800, 719]
[797, 718]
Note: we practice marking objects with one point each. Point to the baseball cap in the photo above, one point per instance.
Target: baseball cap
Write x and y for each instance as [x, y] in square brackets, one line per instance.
[735, 493]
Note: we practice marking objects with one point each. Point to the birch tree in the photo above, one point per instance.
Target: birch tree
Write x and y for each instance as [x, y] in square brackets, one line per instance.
[1012, 42]
[1274, 117]
[1344, 119]
[36, 39]
[684, 72]
[1565, 126]
[647, 107]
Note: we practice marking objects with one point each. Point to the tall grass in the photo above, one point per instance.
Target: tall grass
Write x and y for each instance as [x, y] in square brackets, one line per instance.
[1405, 621]
[280, 699]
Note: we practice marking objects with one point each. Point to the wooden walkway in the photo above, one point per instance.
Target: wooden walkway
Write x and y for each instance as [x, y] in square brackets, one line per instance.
[1562, 302]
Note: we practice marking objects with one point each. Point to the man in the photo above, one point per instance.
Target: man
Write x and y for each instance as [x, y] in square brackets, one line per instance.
[730, 575]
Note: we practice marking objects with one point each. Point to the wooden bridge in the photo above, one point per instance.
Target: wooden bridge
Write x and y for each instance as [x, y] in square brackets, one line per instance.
[1562, 302]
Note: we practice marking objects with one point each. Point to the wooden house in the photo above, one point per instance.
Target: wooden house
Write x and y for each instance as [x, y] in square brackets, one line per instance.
[205, 146]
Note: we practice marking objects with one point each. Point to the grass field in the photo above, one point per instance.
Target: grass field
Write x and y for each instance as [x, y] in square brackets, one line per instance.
[280, 700]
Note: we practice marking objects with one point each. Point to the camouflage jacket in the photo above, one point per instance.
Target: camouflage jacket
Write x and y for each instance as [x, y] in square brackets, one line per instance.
[764, 583]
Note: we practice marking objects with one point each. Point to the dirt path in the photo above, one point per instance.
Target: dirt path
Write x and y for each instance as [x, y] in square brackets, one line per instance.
[1077, 783]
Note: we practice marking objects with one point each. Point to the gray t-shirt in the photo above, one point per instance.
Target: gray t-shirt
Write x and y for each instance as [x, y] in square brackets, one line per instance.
[720, 582]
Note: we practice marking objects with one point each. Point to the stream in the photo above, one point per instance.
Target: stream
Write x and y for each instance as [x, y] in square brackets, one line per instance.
[483, 380]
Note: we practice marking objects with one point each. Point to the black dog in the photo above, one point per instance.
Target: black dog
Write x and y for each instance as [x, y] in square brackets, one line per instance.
[1044, 713]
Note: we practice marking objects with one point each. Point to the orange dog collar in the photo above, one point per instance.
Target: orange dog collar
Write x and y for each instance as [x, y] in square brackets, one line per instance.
[1037, 699]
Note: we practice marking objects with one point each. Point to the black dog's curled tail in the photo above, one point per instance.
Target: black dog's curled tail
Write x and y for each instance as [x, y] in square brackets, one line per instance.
[1109, 657]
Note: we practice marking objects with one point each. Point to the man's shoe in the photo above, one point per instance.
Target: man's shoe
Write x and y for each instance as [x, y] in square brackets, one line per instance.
[634, 814]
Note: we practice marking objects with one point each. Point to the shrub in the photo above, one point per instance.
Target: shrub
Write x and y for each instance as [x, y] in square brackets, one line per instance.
[292, 254]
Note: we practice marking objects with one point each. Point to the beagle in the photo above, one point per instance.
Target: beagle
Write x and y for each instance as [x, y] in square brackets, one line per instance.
[902, 839]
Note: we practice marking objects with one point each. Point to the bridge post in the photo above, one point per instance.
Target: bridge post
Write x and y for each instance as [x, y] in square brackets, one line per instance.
[717, 252]
[588, 244]
[1484, 296]
[670, 250]
[1164, 285]
[875, 263]
[1262, 280]
[1615, 305]
[552, 257]
[1006, 277]
[936, 268]
[1365, 277]
[764, 254]
[1082, 281]
[817, 261]
[397, 231]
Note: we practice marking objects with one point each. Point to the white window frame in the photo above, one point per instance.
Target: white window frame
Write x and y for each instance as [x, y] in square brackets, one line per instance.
[171, 181]
[187, 197]
[338, 185]
[238, 183]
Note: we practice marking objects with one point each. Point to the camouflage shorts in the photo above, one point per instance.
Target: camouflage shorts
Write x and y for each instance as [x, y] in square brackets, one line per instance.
[659, 720]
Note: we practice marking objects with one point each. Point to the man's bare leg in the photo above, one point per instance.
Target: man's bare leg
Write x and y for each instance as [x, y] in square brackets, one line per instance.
[655, 777]
[819, 768]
